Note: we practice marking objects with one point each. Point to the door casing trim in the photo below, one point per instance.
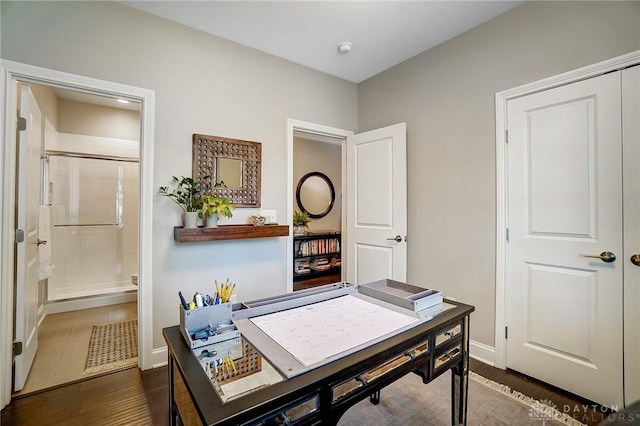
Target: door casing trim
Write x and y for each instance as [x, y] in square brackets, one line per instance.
[501, 99]
[10, 72]
[322, 130]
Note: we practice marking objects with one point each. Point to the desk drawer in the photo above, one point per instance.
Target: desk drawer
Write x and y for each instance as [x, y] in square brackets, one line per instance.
[346, 387]
[294, 414]
[449, 356]
[447, 334]
[361, 380]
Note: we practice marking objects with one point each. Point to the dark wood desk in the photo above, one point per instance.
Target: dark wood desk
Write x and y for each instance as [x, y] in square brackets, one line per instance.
[429, 350]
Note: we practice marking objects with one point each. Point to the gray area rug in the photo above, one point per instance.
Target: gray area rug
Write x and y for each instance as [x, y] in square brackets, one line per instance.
[408, 402]
[112, 346]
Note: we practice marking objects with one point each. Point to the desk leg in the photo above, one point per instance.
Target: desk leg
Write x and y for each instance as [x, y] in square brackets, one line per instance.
[374, 398]
[172, 405]
[459, 395]
[460, 383]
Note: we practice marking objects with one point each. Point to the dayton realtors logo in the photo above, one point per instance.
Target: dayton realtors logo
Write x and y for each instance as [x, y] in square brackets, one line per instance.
[578, 414]
[544, 410]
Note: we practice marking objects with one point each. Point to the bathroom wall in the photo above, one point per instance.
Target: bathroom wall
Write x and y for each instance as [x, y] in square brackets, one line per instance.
[98, 120]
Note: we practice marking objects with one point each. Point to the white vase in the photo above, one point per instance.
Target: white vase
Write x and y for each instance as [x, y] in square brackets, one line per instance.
[190, 219]
[299, 231]
[212, 221]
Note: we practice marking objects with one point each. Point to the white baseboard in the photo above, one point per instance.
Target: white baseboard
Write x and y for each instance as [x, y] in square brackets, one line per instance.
[89, 302]
[481, 352]
[159, 357]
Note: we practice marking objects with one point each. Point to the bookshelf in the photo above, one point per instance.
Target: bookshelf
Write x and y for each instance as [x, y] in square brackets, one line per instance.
[316, 259]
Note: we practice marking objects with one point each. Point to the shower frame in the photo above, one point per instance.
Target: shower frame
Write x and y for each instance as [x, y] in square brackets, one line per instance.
[47, 199]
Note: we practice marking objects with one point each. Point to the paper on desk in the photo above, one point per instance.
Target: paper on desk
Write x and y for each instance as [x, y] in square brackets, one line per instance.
[316, 332]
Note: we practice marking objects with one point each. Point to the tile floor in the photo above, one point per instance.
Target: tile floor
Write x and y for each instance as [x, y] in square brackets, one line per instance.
[63, 343]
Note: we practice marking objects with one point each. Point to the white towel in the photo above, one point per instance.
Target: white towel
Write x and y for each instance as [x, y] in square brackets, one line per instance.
[44, 250]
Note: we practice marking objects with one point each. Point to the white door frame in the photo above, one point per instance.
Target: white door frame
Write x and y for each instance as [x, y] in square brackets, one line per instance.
[501, 99]
[317, 129]
[10, 72]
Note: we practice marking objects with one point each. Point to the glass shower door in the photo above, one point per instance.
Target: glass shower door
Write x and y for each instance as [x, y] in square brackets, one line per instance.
[94, 217]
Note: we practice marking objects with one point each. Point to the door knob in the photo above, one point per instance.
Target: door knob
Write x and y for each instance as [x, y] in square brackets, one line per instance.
[605, 256]
[397, 239]
[41, 242]
[635, 259]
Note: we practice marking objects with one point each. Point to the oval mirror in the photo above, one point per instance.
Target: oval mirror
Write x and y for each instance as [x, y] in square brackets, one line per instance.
[315, 194]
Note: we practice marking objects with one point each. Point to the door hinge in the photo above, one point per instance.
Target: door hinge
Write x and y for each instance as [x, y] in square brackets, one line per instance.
[17, 349]
[22, 123]
[19, 235]
[507, 234]
[506, 136]
[506, 332]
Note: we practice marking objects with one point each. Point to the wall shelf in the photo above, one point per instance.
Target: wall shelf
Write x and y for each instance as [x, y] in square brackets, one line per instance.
[228, 232]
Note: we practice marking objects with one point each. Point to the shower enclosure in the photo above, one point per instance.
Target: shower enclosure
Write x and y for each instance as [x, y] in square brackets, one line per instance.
[94, 224]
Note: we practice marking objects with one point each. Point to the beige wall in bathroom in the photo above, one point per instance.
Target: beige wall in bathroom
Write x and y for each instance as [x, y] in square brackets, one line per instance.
[98, 120]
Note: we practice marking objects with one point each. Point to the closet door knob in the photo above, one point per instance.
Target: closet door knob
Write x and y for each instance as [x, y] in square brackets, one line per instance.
[605, 256]
[635, 259]
[41, 242]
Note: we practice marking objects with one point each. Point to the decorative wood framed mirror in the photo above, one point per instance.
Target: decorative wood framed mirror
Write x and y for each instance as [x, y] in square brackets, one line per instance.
[315, 194]
[234, 167]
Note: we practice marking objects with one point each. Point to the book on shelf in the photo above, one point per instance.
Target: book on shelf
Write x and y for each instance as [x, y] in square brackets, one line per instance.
[318, 247]
[321, 268]
[336, 261]
[301, 267]
[320, 264]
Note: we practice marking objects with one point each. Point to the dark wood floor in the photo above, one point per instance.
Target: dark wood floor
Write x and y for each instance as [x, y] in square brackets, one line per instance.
[133, 397]
[129, 397]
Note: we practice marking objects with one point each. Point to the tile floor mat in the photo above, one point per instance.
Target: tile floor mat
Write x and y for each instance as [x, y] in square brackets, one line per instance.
[113, 345]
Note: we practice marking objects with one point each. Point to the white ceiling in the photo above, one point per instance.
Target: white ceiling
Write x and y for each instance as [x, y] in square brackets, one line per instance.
[383, 33]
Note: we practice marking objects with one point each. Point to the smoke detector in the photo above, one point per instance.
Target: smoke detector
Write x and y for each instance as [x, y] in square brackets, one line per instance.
[345, 47]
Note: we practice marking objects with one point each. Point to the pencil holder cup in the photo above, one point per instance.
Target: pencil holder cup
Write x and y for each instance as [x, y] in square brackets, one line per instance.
[212, 318]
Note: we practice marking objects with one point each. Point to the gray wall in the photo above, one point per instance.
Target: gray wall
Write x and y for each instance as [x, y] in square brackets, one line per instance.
[202, 84]
[446, 97]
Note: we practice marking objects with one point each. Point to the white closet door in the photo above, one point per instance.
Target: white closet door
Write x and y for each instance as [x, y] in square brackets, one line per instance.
[565, 202]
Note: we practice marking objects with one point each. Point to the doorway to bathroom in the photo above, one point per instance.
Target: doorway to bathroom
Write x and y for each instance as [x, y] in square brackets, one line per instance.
[19, 320]
[84, 192]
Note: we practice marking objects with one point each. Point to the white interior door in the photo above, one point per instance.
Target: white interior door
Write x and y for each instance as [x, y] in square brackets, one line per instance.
[26, 306]
[631, 168]
[377, 205]
[565, 201]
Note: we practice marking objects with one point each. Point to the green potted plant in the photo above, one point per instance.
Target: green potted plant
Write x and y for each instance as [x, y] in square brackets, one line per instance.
[186, 193]
[300, 222]
[213, 207]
